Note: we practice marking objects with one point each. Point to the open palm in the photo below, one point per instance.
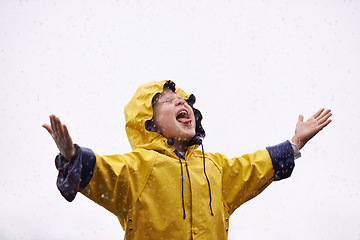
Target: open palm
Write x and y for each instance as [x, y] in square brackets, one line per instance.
[61, 137]
[304, 131]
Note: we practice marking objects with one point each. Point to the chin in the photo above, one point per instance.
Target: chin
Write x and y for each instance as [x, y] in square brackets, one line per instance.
[186, 137]
[181, 134]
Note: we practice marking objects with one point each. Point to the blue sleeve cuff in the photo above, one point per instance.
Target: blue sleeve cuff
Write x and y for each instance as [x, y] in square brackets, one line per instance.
[75, 175]
[282, 157]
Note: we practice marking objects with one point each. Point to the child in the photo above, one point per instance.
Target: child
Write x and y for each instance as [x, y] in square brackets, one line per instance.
[166, 188]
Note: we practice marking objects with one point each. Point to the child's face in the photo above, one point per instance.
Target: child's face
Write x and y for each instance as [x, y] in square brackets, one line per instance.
[173, 117]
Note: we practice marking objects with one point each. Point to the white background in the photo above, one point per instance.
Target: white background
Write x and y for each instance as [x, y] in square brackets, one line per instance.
[253, 66]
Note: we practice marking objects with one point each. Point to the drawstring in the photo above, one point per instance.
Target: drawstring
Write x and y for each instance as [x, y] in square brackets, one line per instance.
[171, 142]
[202, 148]
[197, 141]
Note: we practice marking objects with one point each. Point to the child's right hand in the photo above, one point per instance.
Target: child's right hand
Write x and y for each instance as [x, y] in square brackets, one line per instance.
[61, 137]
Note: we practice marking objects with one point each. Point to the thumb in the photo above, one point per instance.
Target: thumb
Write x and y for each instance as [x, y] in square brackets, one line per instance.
[47, 127]
[301, 118]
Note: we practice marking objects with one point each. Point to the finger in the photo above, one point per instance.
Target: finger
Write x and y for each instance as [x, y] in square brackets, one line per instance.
[53, 124]
[67, 135]
[318, 113]
[323, 114]
[59, 127]
[56, 127]
[66, 132]
[325, 124]
[324, 118]
[300, 118]
[47, 127]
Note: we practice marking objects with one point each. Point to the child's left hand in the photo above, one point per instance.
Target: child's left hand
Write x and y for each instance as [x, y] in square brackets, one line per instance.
[304, 131]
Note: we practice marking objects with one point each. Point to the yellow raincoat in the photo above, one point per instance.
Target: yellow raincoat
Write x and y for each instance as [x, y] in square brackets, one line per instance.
[145, 190]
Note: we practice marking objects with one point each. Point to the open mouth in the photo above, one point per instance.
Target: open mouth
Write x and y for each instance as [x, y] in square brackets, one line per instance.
[183, 117]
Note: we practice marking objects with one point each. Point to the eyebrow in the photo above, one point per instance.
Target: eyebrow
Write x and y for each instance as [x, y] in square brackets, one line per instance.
[172, 97]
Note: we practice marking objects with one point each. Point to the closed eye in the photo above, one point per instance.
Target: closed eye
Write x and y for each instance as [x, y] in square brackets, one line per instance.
[172, 99]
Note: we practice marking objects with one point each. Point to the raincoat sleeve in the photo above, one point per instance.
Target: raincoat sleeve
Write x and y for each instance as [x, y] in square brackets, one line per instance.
[118, 180]
[113, 182]
[246, 176]
[75, 174]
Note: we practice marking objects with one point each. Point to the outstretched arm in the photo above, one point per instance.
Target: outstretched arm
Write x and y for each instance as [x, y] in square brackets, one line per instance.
[61, 137]
[304, 131]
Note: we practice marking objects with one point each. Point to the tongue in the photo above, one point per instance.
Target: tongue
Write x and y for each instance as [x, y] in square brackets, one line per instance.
[184, 120]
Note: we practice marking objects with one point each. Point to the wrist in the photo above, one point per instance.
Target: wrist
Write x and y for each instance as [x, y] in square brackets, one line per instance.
[298, 142]
[69, 154]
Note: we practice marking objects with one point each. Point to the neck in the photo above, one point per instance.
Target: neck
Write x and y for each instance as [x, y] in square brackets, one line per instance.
[182, 145]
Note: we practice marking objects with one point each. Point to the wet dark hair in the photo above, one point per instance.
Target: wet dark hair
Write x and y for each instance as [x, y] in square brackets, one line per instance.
[168, 85]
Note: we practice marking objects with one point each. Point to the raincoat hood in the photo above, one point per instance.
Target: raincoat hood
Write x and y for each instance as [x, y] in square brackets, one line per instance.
[139, 110]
